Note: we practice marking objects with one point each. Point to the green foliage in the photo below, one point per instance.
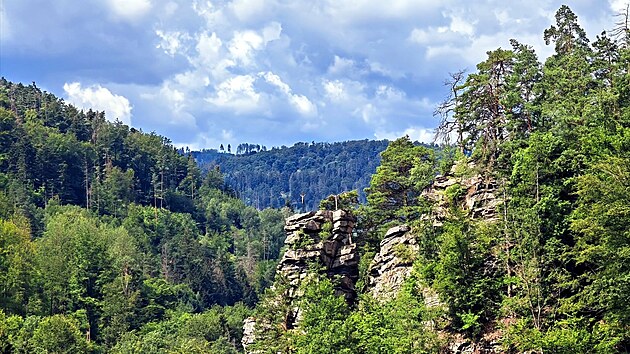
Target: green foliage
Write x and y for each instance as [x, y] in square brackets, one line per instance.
[346, 201]
[274, 177]
[218, 330]
[404, 253]
[454, 194]
[16, 270]
[323, 321]
[111, 240]
[393, 326]
[460, 274]
[105, 229]
[304, 240]
[395, 190]
[326, 230]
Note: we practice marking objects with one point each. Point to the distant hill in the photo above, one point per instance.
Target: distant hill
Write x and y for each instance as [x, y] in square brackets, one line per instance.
[273, 178]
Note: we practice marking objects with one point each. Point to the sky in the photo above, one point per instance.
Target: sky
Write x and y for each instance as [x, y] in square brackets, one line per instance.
[270, 72]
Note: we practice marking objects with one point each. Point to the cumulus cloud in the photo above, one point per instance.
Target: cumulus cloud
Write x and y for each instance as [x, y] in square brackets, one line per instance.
[341, 66]
[130, 9]
[335, 90]
[245, 43]
[99, 98]
[196, 71]
[423, 135]
[170, 42]
[300, 102]
[236, 93]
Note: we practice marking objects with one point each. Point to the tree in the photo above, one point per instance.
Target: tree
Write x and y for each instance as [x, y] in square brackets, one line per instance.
[395, 189]
[16, 272]
[567, 33]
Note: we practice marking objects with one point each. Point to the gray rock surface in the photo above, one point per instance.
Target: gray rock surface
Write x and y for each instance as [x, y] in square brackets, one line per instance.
[392, 265]
[324, 239]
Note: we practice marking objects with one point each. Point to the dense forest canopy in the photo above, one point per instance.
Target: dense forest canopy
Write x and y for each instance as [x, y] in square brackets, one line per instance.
[550, 271]
[112, 240]
[300, 175]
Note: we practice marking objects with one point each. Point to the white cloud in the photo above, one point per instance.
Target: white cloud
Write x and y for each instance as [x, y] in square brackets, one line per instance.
[276, 81]
[367, 113]
[420, 134]
[389, 93]
[379, 68]
[238, 65]
[130, 9]
[191, 80]
[300, 102]
[99, 98]
[236, 93]
[207, 11]
[341, 66]
[170, 41]
[272, 32]
[335, 90]
[461, 26]
[618, 5]
[459, 30]
[247, 9]
[303, 105]
[208, 48]
[243, 45]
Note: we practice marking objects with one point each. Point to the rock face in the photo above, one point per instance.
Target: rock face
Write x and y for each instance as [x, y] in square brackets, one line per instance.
[479, 195]
[390, 267]
[324, 239]
[393, 264]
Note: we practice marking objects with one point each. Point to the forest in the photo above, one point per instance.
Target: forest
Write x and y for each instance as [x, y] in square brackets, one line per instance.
[114, 241]
[111, 240]
[281, 176]
[550, 271]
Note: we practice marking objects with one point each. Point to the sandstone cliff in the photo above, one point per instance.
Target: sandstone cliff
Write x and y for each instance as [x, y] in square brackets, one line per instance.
[316, 240]
[325, 239]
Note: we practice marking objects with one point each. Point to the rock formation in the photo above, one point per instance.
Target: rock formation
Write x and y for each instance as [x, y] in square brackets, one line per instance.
[324, 239]
[392, 265]
[390, 268]
[315, 240]
[480, 196]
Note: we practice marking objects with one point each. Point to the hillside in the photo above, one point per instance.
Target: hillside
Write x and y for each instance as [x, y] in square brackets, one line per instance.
[111, 238]
[515, 238]
[280, 176]
[520, 244]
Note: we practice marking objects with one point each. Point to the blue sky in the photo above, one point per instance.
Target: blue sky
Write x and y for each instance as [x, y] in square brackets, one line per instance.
[272, 72]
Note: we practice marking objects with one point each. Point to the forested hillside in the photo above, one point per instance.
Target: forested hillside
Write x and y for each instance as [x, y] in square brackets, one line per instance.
[112, 241]
[520, 244]
[514, 237]
[281, 176]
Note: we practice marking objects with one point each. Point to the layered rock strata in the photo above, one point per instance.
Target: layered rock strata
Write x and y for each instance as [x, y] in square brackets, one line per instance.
[480, 195]
[480, 198]
[319, 240]
[322, 238]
